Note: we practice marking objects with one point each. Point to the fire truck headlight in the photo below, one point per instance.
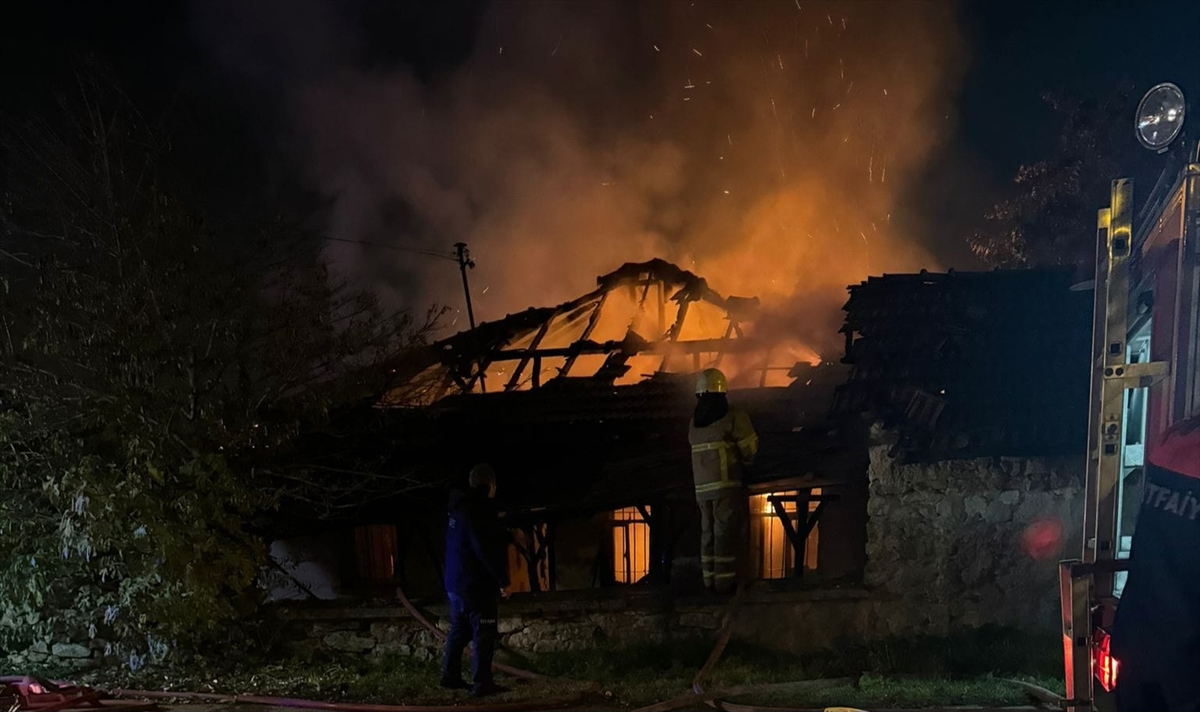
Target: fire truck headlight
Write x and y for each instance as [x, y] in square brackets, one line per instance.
[1160, 116]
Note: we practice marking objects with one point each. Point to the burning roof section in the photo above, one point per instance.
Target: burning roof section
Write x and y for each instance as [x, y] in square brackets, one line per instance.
[642, 319]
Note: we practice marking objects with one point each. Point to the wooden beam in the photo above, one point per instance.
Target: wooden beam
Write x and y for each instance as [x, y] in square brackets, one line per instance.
[537, 340]
[550, 557]
[593, 320]
[762, 379]
[652, 515]
[480, 374]
[662, 306]
[798, 536]
[721, 352]
[789, 529]
[458, 379]
[535, 582]
[652, 347]
[673, 336]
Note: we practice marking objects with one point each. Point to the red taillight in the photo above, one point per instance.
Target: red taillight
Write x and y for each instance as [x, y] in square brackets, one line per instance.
[1106, 666]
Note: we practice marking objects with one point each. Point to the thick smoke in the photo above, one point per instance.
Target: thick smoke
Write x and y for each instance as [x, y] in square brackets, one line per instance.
[765, 145]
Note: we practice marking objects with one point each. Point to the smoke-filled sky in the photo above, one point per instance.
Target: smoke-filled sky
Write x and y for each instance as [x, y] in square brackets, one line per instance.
[765, 145]
[780, 148]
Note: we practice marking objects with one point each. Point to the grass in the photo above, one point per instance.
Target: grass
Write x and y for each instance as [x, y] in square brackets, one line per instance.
[900, 693]
[912, 672]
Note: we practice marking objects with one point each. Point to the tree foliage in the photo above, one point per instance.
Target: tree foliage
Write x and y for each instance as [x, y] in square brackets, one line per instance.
[160, 365]
[1051, 219]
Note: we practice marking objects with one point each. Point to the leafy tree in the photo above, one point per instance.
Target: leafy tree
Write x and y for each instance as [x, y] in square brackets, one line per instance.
[1052, 218]
[160, 365]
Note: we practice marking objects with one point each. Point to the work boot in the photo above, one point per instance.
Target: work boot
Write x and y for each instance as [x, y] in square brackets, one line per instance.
[450, 683]
[488, 689]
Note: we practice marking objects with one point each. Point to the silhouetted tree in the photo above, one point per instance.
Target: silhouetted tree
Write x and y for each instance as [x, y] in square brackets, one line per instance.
[1052, 218]
[159, 363]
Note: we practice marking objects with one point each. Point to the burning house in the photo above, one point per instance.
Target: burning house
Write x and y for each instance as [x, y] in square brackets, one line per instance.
[582, 408]
[918, 487]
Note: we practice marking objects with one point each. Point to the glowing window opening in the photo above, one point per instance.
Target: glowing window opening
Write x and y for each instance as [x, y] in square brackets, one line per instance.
[631, 545]
[770, 547]
[518, 566]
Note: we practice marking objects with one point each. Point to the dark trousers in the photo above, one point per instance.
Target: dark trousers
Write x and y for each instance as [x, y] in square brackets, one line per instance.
[1170, 688]
[473, 623]
[724, 535]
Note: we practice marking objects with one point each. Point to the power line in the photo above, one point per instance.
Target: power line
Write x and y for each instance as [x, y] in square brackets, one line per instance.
[427, 253]
[461, 257]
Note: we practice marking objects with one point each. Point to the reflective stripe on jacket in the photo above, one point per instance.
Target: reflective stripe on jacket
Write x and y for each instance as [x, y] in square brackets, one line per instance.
[719, 452]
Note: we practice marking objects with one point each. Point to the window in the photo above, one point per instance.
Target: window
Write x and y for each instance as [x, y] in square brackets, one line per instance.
[769, 543]
[518, 564]
[1129, 493]
[631, 545]
[375, 554]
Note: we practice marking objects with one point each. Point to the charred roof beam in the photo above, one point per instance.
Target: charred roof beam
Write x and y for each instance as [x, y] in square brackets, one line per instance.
[651, 347]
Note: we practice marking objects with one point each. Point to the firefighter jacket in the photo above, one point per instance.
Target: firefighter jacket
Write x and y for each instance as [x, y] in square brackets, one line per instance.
[476, 549]
[1158, 617]
[720, 452]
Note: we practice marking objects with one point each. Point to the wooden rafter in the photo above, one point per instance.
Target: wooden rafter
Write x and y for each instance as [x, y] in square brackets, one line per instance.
[537, 340]
[692, 346]
[467, 355]
[676, 328]
[728, 332]
[593, 320]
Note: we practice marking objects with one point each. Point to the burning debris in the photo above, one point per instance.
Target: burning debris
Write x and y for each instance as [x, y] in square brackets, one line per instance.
[644, 318]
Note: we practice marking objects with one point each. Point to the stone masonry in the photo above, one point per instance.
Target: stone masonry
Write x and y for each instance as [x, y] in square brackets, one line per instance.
[946, 540]
[945, 552]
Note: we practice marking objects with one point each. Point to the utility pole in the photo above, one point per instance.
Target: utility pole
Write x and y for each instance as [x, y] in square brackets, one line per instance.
[463, 255]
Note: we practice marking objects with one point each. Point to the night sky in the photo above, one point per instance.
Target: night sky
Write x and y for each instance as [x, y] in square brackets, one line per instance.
[1017, 51]
[1021, 48]
[1080, 48]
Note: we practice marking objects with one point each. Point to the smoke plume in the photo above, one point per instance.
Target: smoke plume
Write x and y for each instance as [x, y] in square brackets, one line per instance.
[767, 146]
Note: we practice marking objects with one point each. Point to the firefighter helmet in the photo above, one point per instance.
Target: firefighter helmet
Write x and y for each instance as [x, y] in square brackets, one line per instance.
[711, 380]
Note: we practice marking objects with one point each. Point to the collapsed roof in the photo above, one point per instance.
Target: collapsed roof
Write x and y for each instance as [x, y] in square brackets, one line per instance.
[607, 425]
[659, 318]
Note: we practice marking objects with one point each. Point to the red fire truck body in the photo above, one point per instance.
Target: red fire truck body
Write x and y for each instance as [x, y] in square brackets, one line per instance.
[1146, 348]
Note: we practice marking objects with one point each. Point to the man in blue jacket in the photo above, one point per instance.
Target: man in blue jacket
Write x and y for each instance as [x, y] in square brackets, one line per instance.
[476, 580]
[1156, 636]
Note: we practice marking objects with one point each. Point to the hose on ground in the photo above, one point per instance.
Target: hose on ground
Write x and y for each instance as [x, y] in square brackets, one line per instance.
[715, 699]
[522, 706]
[440, 635]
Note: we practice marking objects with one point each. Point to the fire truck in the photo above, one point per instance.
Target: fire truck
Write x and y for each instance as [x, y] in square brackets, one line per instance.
[1146, 345]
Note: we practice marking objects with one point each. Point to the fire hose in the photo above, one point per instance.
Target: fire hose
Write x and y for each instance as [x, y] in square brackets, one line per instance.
[547, 703]
[716, 699]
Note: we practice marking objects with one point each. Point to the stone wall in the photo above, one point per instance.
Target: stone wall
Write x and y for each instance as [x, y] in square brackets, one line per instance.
[793, 621]
[946, 550]
[948, 540]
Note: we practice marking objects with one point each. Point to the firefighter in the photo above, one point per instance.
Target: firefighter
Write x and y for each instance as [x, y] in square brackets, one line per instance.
[723, 445]
[476, 579]
[1156, 635]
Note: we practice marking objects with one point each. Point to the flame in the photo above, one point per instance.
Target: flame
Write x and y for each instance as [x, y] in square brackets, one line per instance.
[649, 312]
[768, 147]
